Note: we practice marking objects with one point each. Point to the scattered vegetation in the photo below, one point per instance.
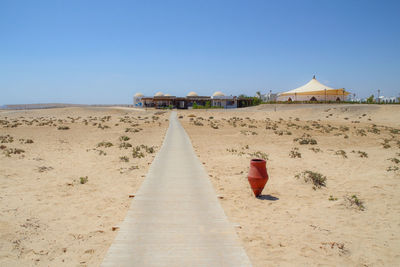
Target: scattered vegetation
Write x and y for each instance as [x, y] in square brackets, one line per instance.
[62, 128]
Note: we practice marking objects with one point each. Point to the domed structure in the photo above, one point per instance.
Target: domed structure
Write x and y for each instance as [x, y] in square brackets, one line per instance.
[159, 94]
[167, 95]
[218, 93]
[138, 95]
[192, 94]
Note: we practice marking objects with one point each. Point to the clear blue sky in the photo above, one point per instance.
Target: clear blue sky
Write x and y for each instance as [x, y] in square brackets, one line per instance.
[105, 51]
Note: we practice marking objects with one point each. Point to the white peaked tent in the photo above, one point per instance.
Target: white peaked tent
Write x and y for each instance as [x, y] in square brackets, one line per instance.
[314, 91]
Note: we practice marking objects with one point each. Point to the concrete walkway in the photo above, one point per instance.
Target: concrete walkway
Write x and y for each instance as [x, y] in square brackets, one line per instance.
[175, 218]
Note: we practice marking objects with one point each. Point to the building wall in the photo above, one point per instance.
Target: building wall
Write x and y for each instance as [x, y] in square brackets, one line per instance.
[224, 101]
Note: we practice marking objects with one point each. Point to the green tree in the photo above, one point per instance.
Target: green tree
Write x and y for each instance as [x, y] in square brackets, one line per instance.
[370, 99]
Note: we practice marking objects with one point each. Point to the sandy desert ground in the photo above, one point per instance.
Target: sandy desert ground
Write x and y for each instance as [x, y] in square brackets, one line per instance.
[49, 218]
[351, 221]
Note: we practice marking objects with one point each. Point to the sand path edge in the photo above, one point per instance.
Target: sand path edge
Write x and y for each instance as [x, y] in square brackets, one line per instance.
[175, 218]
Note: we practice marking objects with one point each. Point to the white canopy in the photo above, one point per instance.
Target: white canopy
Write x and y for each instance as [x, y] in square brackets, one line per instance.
[311, 86]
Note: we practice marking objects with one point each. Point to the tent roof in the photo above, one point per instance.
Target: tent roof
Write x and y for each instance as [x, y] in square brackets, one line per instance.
[311, 86]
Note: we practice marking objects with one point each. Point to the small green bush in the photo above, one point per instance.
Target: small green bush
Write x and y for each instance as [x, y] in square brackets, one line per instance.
[83, 180]
[124, 138]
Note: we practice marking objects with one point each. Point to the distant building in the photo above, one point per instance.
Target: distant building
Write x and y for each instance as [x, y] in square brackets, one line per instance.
[218, 99]
[269, 97]
[314, 91]
[137, 100]
[387, 100]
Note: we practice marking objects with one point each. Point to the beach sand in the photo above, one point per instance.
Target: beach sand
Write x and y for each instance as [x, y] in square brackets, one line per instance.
[48, 218]
[292, 224]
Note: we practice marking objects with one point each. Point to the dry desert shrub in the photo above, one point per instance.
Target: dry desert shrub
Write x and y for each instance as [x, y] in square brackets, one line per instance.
[315, 149]
[9, 151]
[6, 139]
[354, 201]
[259, 155]
[361, 154]
[341, 153]
[386, 144]
[63, 128]
[124, 138]
[214, 125]
[124, 159]
[294, 153]
[44, 169]
[331, 198]
[318, 180]
[392, 169]
[83, 179]
[395, 160]
[104, 144]
[198, 123]
[125, 145]
[305, 139]
[133, 130]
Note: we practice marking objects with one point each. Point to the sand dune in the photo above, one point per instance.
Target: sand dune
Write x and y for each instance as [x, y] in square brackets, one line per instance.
[293, 224]
[49, 218]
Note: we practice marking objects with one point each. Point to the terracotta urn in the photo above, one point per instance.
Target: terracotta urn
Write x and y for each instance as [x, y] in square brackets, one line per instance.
[258, 175]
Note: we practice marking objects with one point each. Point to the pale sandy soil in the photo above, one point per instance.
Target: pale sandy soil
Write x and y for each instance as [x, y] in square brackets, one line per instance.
[47, 217]
[292, 224]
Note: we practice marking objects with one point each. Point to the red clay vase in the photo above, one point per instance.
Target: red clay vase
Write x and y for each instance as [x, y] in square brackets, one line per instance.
[258, 175]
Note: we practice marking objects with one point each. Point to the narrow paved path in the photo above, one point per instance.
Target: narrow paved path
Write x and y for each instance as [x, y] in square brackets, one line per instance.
[175, 218]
